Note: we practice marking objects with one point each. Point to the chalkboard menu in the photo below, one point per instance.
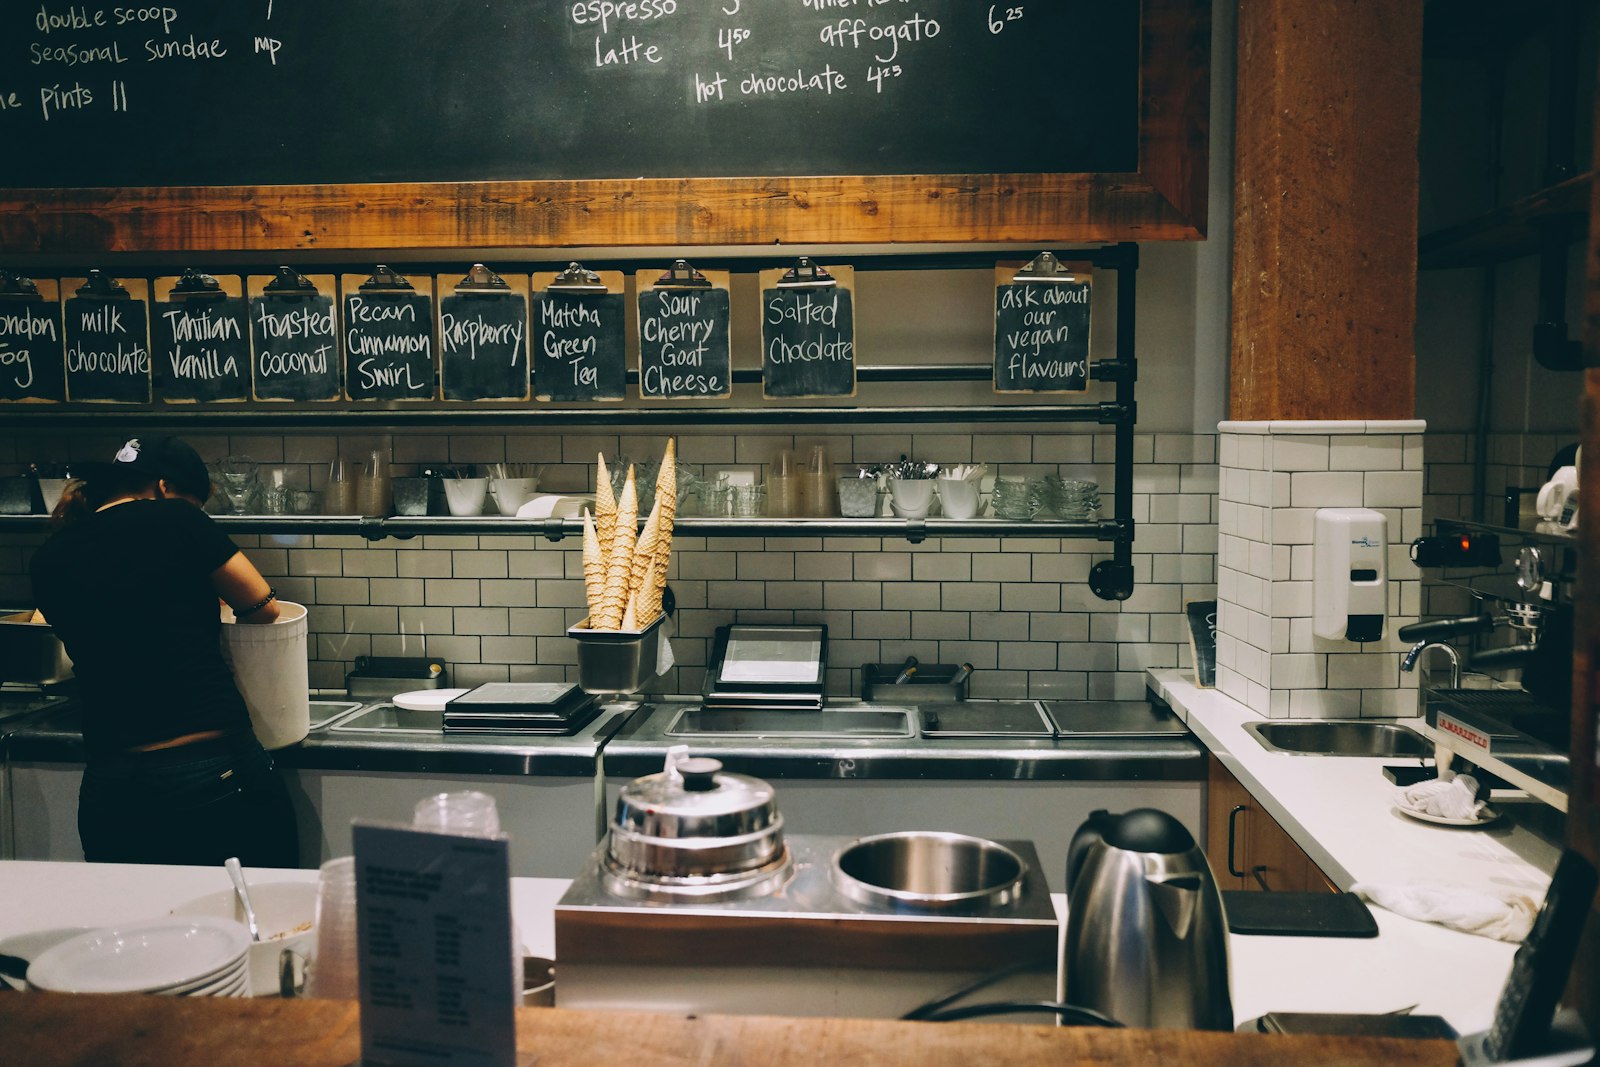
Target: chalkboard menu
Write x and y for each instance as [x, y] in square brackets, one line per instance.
[808, 332]
[579, 336]
[1041, 332]
[387, 332]
[107, 339]
[31, 349]
[201, 338]
[683, 334]
[483, 336]
[305, 91]
[294, 342]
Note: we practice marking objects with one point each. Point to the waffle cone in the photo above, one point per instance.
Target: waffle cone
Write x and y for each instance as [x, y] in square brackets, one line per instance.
[594, 564]
[630, 616]
[619, 562]
[650, 595]
[667, 500]
[605, 506]
[644, 552]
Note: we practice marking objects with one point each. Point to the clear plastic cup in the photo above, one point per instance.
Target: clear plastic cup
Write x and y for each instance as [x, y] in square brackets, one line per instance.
[468, 812]
[334, 971]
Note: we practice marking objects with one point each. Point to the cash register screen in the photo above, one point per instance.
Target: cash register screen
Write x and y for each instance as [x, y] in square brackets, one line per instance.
[773, 655]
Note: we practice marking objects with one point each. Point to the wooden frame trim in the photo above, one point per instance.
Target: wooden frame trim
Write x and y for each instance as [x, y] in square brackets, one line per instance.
[1164, 200]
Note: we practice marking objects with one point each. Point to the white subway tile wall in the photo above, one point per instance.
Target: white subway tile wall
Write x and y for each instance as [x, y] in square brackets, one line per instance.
[496, 607]
[1018, 608]
[1273, 478]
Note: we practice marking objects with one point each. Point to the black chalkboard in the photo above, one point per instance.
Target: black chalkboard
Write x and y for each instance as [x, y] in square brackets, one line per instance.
[683, 340]
[294, 343]
[1202, 616]
[307, 91]
[1041, 336]
[201, 344]
[483, 344]
[388, 342]
[579, 345]
[31, 348]
[808, 345]
[108, 344]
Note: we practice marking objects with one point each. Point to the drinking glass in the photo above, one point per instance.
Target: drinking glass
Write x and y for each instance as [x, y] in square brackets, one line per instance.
[340, 497]
[468, 812]
[375, 495]
[236, 477]
[275, 491]
[334, 973]
[783, 484]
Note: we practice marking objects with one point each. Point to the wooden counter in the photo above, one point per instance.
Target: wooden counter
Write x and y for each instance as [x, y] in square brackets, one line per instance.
[48, 1030]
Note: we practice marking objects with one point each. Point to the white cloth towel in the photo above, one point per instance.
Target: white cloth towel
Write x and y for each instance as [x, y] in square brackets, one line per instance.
[1504, 917]
[1448, 798]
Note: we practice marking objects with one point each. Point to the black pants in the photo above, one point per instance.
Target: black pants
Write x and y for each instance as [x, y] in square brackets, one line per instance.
[195, 804]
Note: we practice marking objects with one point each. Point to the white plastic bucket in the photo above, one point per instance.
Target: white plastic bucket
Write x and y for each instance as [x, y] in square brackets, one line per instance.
[269, 666]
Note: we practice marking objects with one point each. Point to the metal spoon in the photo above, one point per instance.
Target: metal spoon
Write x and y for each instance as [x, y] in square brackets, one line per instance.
[237, 874]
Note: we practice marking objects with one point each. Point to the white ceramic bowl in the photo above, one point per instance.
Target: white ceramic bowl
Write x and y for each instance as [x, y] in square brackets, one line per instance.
[285, 912]
[465, 496]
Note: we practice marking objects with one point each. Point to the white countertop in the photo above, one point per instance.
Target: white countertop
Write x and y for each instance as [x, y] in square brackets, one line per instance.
[1340, 811]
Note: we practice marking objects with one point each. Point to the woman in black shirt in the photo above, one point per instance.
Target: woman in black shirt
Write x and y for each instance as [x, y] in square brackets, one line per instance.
[131, 581]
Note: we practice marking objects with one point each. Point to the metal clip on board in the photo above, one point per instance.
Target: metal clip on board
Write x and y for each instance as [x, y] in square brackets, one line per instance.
[577, 279]
[385, 282]
[195, 286]
[683, 276]
[104, 286]
[1045, 267]
[806, 275]
[290, 283]
[481, 279]
[16, 287]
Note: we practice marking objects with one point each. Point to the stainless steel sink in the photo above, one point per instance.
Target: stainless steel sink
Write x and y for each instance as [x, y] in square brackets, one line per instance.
[1340, 738]
[830, 722]
[387, 718]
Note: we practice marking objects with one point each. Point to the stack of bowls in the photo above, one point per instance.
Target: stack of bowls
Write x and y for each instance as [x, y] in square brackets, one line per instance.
[185, 957]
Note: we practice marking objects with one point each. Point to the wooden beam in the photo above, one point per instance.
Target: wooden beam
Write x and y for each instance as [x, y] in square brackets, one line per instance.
[1583, 802]
[1325, 213]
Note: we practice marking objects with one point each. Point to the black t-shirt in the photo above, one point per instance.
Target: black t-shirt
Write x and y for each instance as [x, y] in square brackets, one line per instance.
[129, 591]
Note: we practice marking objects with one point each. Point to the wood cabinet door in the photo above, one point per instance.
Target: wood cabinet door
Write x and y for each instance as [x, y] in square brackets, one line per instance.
[1260, 847]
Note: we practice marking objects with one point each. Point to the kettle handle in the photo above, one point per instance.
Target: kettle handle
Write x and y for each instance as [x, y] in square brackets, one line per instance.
[1088, 835]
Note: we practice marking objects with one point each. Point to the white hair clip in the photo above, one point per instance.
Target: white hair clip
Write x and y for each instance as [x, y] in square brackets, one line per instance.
[129, 452]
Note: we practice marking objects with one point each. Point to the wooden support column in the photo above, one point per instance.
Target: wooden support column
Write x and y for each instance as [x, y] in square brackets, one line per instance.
[1325, 228]
[1583, 802]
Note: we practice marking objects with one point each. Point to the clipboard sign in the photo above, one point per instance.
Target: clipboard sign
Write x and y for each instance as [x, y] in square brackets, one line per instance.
[200, 333]
[579, 335]
[107, 334]
[808, 331]
[386, 330]
[32, 346]
[294, 337]
[683, 331]
[1041, 326]
[483, 336]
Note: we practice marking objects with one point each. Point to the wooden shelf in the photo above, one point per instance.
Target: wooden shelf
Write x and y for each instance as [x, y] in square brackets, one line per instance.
[1510, 232]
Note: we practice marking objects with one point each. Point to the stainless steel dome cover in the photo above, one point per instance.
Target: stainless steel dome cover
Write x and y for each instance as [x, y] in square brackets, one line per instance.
[695, 822]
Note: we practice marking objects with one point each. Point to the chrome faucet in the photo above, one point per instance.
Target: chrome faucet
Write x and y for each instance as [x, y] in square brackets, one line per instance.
[1420, 647]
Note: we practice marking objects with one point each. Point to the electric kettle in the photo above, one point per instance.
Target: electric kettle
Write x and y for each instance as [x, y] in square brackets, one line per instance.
[1147, 943]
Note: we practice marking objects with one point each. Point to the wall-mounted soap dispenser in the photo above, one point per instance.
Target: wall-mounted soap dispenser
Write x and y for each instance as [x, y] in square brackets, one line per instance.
[1351, 590]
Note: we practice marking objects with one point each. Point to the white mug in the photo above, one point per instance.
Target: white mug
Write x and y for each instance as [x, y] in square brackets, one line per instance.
[959, 498]
[465, 496]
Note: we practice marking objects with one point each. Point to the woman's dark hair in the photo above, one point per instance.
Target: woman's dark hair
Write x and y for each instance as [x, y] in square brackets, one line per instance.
[138, 465]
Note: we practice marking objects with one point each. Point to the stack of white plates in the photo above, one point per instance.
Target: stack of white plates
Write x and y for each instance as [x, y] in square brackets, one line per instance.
[186, 957]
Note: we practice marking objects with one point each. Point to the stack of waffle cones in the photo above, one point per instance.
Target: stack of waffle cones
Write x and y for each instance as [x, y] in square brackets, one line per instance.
[624, 568]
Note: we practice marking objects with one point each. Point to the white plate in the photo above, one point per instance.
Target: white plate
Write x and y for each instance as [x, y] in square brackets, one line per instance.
[1489, 815]
[139, 957]
[427, 699]
[34, 943]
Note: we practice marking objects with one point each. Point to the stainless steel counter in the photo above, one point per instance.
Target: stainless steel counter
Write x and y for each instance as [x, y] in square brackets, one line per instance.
[631, 739]
[640, 746]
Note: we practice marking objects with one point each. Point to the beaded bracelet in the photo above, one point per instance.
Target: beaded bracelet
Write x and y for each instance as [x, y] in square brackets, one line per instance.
[272, 594]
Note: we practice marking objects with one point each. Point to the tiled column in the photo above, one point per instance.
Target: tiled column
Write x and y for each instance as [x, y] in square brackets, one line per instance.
[1274, 476]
